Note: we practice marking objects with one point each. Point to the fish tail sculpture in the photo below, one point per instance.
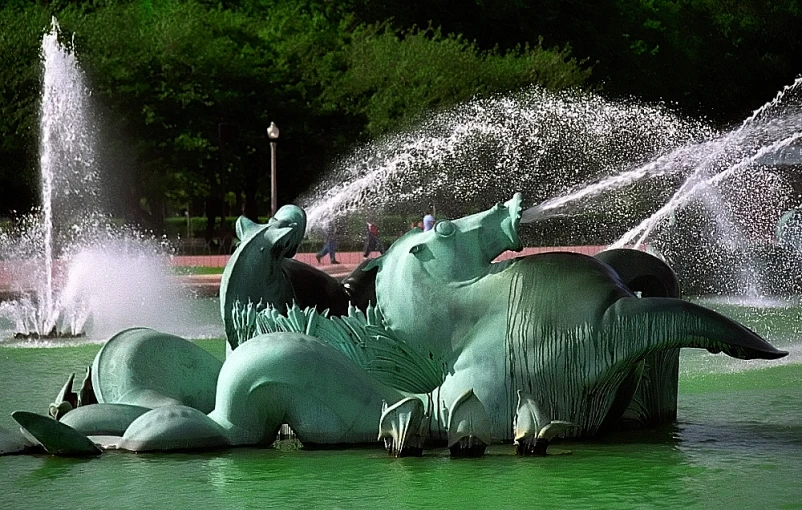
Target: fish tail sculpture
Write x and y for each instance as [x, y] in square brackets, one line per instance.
[654, 400]
[631, 330]
[269, 380]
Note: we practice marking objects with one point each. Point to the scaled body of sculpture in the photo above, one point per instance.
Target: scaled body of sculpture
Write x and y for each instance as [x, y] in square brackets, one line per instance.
[560, 340]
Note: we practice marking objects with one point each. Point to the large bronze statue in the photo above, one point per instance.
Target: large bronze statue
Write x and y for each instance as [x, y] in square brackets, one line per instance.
[443, 343]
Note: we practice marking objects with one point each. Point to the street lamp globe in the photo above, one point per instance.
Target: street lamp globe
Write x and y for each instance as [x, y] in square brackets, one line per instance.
[272, 131]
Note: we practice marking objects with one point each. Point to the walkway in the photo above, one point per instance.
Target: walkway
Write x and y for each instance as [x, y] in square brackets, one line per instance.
[209, 284]
[353, 258]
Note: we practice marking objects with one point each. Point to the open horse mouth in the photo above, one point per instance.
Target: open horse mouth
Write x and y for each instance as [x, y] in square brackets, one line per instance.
[510, 228]
[290, 220]
[503, 219]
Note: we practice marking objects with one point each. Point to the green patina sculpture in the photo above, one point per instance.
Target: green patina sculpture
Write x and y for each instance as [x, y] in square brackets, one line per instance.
[525, 349]
[254, 272]
[262, 272]
[789, 229]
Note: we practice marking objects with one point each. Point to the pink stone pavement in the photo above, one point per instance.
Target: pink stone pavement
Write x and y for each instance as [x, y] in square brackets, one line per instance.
[354, 258]
[209, 284]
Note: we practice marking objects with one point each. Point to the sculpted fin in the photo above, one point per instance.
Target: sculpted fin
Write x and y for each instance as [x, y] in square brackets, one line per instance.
[14, 442]
[55, 437]
[86, 395]
[66, 400]
[676, 323]
[361, 336]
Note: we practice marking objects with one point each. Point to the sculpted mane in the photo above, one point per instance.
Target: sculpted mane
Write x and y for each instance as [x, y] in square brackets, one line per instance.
[254, 272]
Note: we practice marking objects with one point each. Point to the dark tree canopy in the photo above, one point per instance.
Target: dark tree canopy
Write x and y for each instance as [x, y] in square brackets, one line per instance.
[186, 88]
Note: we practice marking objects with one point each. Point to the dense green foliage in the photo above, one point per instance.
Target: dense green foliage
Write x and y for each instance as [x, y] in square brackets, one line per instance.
[186, 88]
[722, 58]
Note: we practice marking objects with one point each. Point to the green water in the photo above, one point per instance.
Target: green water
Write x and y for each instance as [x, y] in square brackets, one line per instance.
[737, 444]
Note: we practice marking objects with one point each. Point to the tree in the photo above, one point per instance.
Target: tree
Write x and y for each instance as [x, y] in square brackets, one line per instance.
[392, 77]
[21, 28]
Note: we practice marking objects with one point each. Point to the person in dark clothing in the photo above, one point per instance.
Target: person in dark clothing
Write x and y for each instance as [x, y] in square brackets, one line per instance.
[372, 241]
[329, 244]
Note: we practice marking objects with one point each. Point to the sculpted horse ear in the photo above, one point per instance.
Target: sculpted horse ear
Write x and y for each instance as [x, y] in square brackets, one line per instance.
[246, 228]
[372, 264]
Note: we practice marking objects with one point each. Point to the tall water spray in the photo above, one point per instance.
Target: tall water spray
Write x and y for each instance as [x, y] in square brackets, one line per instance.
[74, 269]
[67, 156]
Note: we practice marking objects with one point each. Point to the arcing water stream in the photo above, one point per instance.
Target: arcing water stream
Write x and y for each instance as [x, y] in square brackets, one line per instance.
[698, 195]
[537, 142]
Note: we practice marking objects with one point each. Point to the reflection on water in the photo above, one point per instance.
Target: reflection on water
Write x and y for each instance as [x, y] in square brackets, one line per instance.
[737, 444]
[702, 466]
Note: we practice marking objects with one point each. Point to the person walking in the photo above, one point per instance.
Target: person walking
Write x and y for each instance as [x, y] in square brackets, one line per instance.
[329, 243]
[372, 241]
[428, 220]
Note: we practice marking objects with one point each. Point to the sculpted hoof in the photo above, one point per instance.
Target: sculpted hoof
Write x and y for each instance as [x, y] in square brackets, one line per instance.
[402, 427]
[468, 426]
[533, 429]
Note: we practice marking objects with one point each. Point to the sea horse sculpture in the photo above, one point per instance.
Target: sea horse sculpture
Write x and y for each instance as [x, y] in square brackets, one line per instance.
[565, 329]
[262, 272]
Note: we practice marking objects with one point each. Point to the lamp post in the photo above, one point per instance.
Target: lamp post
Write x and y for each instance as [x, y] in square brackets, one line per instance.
[272, 133]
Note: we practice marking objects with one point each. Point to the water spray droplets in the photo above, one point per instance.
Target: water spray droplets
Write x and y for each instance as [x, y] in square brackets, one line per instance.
[480, 152]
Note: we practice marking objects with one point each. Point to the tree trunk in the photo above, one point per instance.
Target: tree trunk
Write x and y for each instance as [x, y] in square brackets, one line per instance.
[214, 208]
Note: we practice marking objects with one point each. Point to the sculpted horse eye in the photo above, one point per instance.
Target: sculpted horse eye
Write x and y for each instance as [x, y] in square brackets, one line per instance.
[445, 228]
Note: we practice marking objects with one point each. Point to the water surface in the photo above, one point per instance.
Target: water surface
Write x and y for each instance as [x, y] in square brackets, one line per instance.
[737, 444]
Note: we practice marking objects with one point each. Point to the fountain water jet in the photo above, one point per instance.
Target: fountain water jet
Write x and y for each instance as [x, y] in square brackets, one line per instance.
[68, 175]
[72, 270]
